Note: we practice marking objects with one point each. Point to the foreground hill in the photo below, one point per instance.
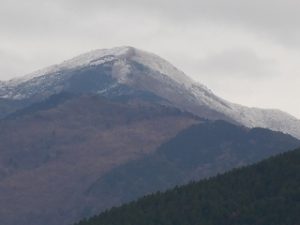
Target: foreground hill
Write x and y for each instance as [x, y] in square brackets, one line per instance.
[123, 70]
[262, 194]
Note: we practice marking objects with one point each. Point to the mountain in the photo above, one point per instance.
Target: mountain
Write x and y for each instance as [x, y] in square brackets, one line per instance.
[111, 126]
[73, 155]
[53, 151]
[262, 194]
[123, 70]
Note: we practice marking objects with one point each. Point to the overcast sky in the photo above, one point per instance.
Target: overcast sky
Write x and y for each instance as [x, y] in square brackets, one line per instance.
[246, 51]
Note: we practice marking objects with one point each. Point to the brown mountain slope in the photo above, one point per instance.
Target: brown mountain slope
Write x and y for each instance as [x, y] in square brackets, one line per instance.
[49, 157]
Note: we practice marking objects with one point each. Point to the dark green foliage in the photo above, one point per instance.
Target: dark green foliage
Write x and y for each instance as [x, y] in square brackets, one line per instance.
[267, 193]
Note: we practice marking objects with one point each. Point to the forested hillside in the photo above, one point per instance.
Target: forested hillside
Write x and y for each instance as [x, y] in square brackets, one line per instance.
[263, 194]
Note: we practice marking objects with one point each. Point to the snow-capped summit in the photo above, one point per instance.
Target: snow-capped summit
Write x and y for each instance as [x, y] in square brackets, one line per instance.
[123, 70]
[101, 56]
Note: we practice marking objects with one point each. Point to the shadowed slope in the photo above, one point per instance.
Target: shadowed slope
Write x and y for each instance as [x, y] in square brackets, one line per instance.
[200, 151]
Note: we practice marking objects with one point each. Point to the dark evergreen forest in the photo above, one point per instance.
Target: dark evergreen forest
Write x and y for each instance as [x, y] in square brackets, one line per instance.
[267, 193]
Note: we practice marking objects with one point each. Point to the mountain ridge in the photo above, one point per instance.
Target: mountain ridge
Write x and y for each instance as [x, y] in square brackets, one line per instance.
[107, 71]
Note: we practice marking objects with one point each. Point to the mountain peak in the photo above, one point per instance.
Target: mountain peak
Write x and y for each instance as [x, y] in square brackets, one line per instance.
[122, 70]
[93, 57]
[101, 56]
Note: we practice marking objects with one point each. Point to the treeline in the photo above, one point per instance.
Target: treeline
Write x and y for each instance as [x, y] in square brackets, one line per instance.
[267, 193]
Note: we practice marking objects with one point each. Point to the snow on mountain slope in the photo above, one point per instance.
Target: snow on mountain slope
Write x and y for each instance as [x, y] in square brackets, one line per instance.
[108, 70]
[267, 118]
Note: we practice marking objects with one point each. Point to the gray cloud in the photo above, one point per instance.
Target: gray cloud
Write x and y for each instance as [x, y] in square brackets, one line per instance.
[239, 63]
[8, 62]
[276, 19]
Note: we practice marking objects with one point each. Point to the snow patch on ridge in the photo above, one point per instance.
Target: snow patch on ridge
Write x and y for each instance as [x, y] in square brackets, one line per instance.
[92, 58]
[120, 71]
